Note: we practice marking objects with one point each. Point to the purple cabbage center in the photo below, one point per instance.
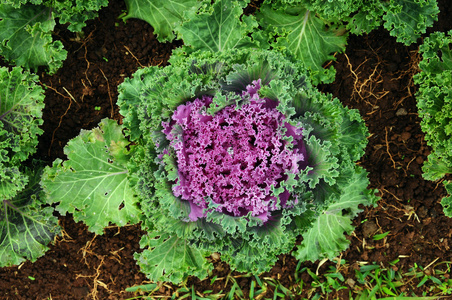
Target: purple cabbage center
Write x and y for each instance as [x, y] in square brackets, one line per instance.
[234, 157]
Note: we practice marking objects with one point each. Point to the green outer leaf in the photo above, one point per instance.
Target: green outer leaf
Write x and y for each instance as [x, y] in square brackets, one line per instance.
[351, 134]
[367, 18]
[26, 37]
[21, 104]
[408, 19]
[26, 227]
[305, 36]
[331, 10]
[438, 164]
[219, 29]
[171, 258]
[93, 183]
[12, 181]
[152, 83]
[260, 252]
[163, 15]
[361, 16]
[75, 12]
[129, 94]
[434, 101]
[325, 239]
[431, 63]
[324, 165]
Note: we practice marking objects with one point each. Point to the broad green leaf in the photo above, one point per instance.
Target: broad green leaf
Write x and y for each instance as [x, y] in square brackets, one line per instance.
[326, 238]
[230, 224]
[308, 38]
[26, 37]
[26, 227]
[163, 15]
[93, 183]
[222, 27]
[408, 19]
[170, 258]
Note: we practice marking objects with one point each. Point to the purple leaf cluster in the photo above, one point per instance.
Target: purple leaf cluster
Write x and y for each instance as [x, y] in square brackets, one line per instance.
[233, 159]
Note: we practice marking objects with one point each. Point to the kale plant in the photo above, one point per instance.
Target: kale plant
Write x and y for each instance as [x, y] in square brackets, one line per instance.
[310, 30]
[232, 152]
[313, 30]
[26, 227]
[404, 19]
[434, 101]
[26, 29]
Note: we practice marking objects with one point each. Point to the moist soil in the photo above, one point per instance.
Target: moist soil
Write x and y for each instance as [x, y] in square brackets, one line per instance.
[374, 75]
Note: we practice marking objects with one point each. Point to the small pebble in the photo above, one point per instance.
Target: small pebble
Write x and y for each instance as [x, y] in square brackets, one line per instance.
[401, 112]
[369, 228]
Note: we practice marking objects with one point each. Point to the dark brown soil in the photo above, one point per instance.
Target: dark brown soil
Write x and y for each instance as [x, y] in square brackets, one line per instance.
[374, 76]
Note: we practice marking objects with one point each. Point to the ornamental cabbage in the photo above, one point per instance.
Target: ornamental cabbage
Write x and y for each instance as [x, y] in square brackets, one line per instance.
[234, 157]
[233, 152]
[237, 153]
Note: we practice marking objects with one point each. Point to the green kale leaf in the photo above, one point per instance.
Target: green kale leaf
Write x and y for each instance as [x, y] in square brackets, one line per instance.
[26, 37]
[26, 226]
[92, 184]
[408, 19]
[434, 101]
[163, 15]
[308, 38]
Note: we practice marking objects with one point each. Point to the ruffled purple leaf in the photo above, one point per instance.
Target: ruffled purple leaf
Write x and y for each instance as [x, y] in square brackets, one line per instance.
[236, 157]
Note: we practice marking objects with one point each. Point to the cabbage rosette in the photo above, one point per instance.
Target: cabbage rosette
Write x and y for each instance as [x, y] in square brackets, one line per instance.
[239, 154]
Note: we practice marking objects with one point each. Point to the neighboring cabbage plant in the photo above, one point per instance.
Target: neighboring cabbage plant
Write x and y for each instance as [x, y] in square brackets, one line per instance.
[434, 100]
[26, 29]
[26, 227]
